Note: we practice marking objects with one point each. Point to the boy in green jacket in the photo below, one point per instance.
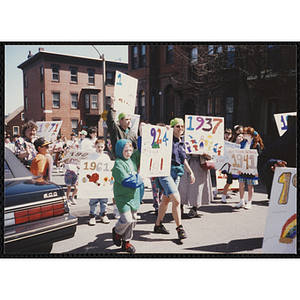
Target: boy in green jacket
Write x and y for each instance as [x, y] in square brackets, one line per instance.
[126, 193]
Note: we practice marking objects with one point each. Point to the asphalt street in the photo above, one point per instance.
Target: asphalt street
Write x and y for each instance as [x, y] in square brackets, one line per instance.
[219, 229]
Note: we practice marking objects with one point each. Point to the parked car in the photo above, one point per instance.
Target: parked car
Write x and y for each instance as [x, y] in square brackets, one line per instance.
[36, 213]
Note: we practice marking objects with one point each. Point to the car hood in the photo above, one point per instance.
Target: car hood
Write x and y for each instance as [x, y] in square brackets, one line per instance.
[23, 191]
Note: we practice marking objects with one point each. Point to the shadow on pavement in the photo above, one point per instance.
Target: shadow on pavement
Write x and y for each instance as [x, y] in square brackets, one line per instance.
[232, 247]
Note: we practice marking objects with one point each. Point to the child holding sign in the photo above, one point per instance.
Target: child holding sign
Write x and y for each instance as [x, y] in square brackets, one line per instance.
[99, 154]
[253, 141]
[126, 193]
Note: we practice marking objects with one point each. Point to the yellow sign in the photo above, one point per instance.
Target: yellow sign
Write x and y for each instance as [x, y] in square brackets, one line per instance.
[104, 115]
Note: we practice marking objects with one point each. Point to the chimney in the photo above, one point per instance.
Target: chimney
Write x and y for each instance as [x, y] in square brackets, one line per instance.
[29, 55]
[41, 49]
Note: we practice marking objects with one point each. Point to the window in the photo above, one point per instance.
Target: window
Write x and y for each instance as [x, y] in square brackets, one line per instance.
[56, 100]
[210, 49]
[15, 130]
[25, 81]
[55, 73]
[230, 56]
[74, 124]
[194, 55]
[42, 100]
[22, 117]
[134, 57]
[25, 103]
[169, 54]
[110, 78]
[74, 100]
[91, 76]
[73, 73]
[142, 58]
[142, 104]
[94, 101]
[209, 105]
[87, 101]
[42, 73]
[217, 105]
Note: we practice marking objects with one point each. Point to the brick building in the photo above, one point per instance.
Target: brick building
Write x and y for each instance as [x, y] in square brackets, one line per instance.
[68, 88]
[164, 88]
[15, 121]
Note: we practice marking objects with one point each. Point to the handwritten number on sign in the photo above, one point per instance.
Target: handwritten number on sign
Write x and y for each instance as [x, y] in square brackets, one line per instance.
[284, 178]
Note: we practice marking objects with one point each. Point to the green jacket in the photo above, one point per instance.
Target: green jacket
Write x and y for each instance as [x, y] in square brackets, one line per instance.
[117, 132]
[126, 198]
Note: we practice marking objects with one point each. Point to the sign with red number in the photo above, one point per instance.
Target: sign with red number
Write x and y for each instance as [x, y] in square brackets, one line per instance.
[204, 134]
[75, 156]
[281, 226]
[48, 129]
[156, 151]
[95, 179]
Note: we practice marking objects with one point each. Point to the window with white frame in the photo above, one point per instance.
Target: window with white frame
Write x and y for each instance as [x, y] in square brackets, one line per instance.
[74, 100]
[22, 117]
[73, 73]
[94, 100]
[74, 124]
[55, 73]
[56, 100]
[15, 130]
[91, 76]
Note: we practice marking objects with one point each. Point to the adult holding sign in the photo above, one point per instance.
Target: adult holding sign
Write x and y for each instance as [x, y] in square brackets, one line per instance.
[169, 183]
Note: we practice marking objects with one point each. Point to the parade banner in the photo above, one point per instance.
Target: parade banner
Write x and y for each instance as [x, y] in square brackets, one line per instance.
[204, 135]
[221, 181]
[281, 121]
[156, 151]
[48, 129]
[75, 156]
[243, 162]
[125, 90]
[281, 226]
[95, 179]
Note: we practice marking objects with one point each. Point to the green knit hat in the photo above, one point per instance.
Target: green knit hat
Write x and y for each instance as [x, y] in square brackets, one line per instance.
[176, 121]
[122, 115]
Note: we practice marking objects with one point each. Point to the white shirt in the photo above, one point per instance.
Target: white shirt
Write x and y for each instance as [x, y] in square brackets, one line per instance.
[87, 144]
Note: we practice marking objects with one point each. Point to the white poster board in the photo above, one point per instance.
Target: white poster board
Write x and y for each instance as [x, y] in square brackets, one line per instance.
[156, 151]
[281, 121]
[243, 162]
[134, 124]
[75, 156]
[281, 226]
[125, 90]
[204, 135]
[95, 179]
[48, 129]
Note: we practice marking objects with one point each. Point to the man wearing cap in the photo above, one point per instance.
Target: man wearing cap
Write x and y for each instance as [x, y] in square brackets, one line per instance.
[39, 166]
[121, 130]
[82, 135]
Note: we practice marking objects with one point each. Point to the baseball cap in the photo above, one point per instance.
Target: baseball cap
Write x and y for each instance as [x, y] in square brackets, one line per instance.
[176, 121]
[41, 142]
[122, 115]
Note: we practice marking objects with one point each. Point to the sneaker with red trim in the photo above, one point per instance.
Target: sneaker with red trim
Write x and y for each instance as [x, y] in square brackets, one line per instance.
[116, 238]
[127, 247]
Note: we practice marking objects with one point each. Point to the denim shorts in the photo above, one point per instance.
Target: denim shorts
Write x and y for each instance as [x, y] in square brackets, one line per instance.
[169, 183]
[249, 181]
[70, 178]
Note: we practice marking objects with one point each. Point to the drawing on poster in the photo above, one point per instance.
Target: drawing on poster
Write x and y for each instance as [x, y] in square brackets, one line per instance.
[289, 230]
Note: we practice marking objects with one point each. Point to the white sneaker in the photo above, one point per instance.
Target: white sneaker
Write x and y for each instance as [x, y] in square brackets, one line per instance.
[138, 217]
[104, 219]
[116, 213]
[248, 205]
[223, 200]
[92, 221]
[240, 204]
[72, 201]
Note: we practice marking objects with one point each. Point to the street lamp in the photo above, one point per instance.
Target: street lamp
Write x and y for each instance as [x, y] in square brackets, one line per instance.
[104, 87]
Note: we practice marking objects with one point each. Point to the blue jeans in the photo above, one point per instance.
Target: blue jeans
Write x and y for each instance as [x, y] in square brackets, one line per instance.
[93, 206]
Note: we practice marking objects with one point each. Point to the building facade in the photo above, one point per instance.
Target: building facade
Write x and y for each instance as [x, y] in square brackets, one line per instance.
[14, 122]
[59, 87]
[247, 86]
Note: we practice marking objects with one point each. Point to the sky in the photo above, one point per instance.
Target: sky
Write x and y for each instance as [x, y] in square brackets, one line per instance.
[16, 54]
